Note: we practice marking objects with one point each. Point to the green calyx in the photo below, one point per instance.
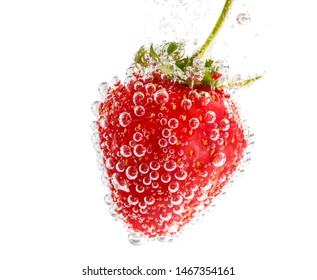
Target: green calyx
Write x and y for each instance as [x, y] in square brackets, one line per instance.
[169, 58]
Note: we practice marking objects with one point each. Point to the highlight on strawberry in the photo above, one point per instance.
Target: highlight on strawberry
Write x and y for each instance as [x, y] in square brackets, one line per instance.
[169, 138]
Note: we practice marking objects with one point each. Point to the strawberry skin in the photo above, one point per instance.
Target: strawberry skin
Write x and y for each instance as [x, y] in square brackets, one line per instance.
[168, 149]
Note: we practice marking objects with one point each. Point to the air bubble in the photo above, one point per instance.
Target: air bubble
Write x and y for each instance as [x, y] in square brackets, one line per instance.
[173, 123]
[138, 85]
[186, 104]
[95, 108]
[154, 175]
[193, 123]
[125, 151]
[166, 132]
[132, 200]
[125, 119]
[108, 200]
[172, 140]
[138, 98]
[219, 159]
[162, 142]
[139, 150]
[221, 66]
[163, 121]
[137, 136]
[144, 168]
[178, 209]
[135, 239]
[149, 200]
[139, 188]
[110, 163]
[131, 172]
[207, 187]
[102, 89]
[119, 183]
[166, 216]
[224, 124]
[139, 111]
[180, 175]
[173, 187]
[243, 18]
[170, 165]
[166, 178]
[150, 88]
[214, 134]
[120, 166]
[161, 97]
[204, 98]
[155, 165]
[146, 181]
[177, 199]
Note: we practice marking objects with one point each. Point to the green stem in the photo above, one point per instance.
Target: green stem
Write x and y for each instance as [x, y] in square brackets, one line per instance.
[202, 52]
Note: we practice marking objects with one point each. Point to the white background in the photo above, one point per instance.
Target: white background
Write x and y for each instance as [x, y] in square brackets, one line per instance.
[54, 223]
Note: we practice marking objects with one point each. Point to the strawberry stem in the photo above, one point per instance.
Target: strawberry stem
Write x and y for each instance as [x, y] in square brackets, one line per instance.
[202, 52]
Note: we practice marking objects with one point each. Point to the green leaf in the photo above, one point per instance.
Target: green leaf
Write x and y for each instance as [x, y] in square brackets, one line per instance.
[209, 63]
[167, 69]
[182, 63]
[207, 78]
[140, 56]
[153, 54]
[172, 47]
[244, 83]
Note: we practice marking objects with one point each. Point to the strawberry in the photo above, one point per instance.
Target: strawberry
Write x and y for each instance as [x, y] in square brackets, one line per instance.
[169, 137]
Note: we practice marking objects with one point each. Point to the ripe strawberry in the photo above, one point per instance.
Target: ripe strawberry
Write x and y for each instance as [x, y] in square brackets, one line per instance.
[170, 138]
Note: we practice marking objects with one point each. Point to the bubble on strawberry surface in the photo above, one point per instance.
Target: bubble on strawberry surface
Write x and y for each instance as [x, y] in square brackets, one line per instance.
[243, 18]
[173, 187]
[180, 175]
[139, 111]
[107, 199]
[214, 134]
[166, 216]
[139, 150]
[139, 189]
[138, 98]
[125, 119]
[125, 151]
[154, 175]
[150, 88]
[120, 166]
[207, 187]
[162, 142]
[161, 97]
[176, 199]
[221, 66]
[155, 165]
[166, 177]
[172, 139]
[95, 108]
[135, 239]
[149, 200]
[194, 123]
[170, 165]
[166, 133]
[131, 172]
[133, 200]
[147, 181]
[102, 89]
[186, 104]
[137, 136]
[224, 124]
[219, 159]
[144, 168]
[113, 212]
[119, 182]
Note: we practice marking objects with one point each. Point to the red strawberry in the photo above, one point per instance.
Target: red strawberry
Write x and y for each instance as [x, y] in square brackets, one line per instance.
[170, 138]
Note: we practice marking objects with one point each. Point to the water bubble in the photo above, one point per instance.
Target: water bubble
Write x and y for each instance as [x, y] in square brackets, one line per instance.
[207, 187]
[172, 140]
[155, 185]
[149, 200]
[204, 98]
[125, 151]
[102, 88]
[138, 85]
[198, 62]
[166, 132]
[135, 239]
[176, 199]
[189, 194]
[139, 150]
[163, 121]
[170, 165]
[94, 126]
[137, 136]
[115, 80]
[173, 123]
[139, 188]
[150, 88]
[138, 98]
[131, 172]
[155, 165]
[224, 124]
[161, 97]
[120, 166]
[144, 168]
[154, 175]
[221, 66]
[243, 18]
[186, 104]
[108, 200]
[125, 119]
[119, 183]
[113, 213]
[219, 159]
[110, 163]
[162, 142]
[173, 187]
[139, 111]
[220, 141]
[95, 108]
[210, 117]
[166, 178]
[180, 175]
[132, 200]
[178, 209]
[193, 123]
[214, 134]
[104, 122]
[166, 216]
[146, 181]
